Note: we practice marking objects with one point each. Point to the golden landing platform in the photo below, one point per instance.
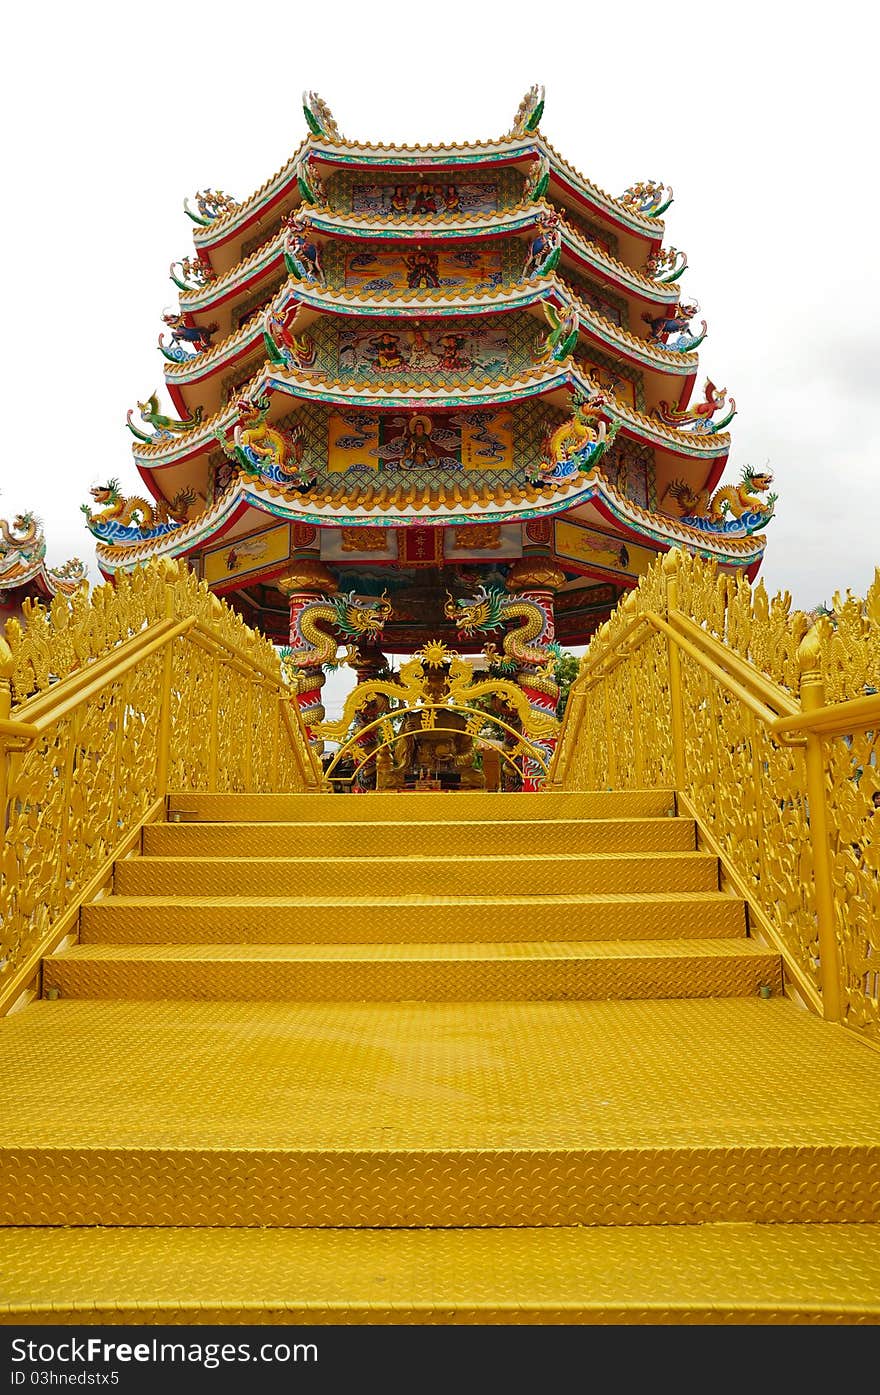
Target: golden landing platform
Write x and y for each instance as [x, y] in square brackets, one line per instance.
[431, 1058]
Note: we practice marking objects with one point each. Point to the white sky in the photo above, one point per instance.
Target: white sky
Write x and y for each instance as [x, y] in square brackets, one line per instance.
[763, 117]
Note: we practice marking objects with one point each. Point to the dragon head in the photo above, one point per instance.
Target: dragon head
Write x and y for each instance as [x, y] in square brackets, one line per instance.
[361, 616]
[482, 611]
[759, 480]
[24, 521]
[250, 412]
[105, 493]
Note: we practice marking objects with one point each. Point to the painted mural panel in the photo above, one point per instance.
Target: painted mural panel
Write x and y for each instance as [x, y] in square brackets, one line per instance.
[595, 549]
[425, 348]
[424, 197]
[401, 268]
[244, 555]
[420, 442]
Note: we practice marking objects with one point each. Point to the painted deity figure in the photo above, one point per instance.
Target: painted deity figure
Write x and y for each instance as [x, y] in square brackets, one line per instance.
[422, 269]
[425, 200]
[451, 356]
[388, 351]
[451, 199]
[399, 200]
[419, 449]
[422, 355]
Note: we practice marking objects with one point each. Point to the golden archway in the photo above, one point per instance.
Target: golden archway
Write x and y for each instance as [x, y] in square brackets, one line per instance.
[434, 681]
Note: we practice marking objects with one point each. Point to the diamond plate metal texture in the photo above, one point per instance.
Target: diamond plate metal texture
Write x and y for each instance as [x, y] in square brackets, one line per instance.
[477, 1046]
[639, 1274]
[437, 875]
[637, 1112]
[456, 972]
[264, 920]
[414, 807]
[475, 838]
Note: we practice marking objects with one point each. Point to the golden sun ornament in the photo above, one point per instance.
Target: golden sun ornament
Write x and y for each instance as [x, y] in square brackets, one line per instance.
[434, 653]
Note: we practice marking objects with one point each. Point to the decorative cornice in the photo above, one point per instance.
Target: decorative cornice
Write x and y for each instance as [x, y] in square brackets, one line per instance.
[426, 304]
[441, 227]
[457, 154]
[413, 505]
[537, 382]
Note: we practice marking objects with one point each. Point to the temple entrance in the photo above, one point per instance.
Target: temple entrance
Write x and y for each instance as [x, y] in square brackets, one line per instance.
[434, 727]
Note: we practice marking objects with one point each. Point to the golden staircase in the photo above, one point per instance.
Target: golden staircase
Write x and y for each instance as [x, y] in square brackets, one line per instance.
[430, 1058]
[606, 1053]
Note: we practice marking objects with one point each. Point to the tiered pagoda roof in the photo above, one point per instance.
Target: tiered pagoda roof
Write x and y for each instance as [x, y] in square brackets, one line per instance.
[24, 573]
[484, 290]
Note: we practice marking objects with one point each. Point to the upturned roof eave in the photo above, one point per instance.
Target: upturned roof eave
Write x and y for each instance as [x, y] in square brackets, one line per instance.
[655, 529]
[377, 156]
[539, 382]
[268, 259]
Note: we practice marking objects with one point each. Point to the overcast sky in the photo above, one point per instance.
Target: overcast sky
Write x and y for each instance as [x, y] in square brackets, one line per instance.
[761, 116]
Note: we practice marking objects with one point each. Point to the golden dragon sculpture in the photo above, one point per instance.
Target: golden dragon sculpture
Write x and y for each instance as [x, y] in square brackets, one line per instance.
[135, 511]
[733, 500]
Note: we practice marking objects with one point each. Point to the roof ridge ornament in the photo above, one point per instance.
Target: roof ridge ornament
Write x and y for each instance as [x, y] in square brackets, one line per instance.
[649, 197]
[529, 112]
[211, 204]
[319, 117]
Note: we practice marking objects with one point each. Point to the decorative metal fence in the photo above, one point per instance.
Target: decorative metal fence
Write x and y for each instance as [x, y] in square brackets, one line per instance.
[108, 701]
[766, 721]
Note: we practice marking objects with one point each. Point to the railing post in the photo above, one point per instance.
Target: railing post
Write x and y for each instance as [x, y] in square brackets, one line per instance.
[249, 739]
[671, 564]
[215, 700]
[163, 759]
[6, 667]
[812, 692]
[638, 756]
[611, 766]
[273, 769]
[571, 722]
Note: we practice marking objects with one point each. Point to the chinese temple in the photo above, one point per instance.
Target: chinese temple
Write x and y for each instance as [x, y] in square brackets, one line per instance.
[25, 575]
[430, 393]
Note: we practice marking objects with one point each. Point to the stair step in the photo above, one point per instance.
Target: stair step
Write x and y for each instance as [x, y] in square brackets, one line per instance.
[635, 1113]
[414, 807]
[382, 839]
[391, 876]
[608, 1274]
[268, 920]
[427, 972]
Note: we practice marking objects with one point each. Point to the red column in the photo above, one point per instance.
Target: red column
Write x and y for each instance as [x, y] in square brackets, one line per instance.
[307, 581]
[536, 578]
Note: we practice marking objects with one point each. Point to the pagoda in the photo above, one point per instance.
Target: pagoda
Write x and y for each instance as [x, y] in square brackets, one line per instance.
[25, 577]
[430, 393]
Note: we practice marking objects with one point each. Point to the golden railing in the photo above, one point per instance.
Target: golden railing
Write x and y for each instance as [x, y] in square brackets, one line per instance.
[108, 701]
[766, 722]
